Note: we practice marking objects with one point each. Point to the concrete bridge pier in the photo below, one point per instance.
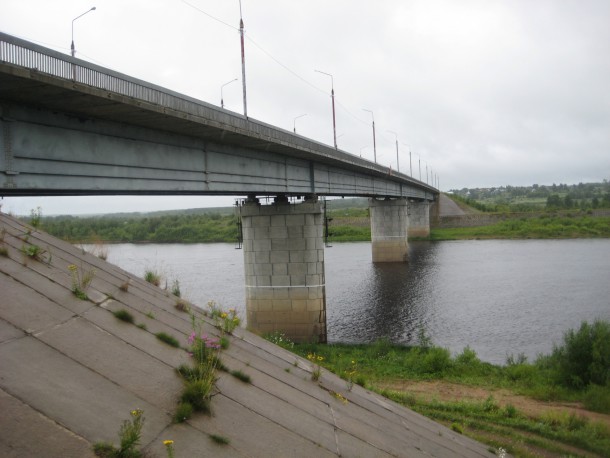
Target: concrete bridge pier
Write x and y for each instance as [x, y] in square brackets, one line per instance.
[389, 222]
[419, 218]
[283, 248]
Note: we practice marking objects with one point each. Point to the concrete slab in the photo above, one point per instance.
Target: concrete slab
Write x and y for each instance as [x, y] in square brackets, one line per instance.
[27, 309]
[81, 400]
[9, 332]
[280, 411]
[255, 435]
[26, 433]
[118, 361]
[191, 442]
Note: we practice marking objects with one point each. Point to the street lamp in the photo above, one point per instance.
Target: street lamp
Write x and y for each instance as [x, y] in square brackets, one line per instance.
[374, 144]
[397, 163]
[72, 48]
[294, 122]
[243, 59]
[332, 96]
[222, 102]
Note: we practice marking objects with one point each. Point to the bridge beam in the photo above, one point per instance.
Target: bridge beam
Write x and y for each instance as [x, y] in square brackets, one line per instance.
[284, 268]
[389, 222]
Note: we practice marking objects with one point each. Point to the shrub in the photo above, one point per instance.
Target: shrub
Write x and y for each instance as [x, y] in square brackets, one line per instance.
[584, 357]
[597, 398]
[436, 360]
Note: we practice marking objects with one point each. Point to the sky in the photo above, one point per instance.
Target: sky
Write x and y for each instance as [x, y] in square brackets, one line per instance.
[481, 93]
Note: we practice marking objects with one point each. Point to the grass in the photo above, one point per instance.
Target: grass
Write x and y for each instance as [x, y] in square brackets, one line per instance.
[124, 315]
[544, 227]
[384, 364]
[168, 339]
[238, 374]
[153, 277]
[220, 439]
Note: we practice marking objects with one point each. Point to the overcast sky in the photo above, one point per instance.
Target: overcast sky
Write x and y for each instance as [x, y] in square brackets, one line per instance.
[483, 92]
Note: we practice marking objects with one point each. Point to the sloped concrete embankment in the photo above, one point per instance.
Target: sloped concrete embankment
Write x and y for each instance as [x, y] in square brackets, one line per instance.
[70, 372]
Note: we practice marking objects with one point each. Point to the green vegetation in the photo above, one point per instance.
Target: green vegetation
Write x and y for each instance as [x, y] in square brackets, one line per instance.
[80, 281]
[124, 315]
[577, 371]
[129, 436]
[543, 227]
[152, 276]
[582, 196]
[169, 340]
[220, 439]
[238, 374]
[182, 228]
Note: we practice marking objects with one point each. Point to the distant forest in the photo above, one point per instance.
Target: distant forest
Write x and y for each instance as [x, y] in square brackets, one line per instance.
[582, 196]
[348, 217]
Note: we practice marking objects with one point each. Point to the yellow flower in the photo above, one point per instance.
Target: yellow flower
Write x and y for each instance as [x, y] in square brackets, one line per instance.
[136, 413]
[223, 315]
[72, 268]
[168, 443]
[320, 358]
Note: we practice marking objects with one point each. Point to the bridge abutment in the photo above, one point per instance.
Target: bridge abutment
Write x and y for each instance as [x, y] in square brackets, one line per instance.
[389, 222]
[284, 268]
[419, 218]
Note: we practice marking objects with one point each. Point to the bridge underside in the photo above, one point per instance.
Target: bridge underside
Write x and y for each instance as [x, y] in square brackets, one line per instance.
[51, 153]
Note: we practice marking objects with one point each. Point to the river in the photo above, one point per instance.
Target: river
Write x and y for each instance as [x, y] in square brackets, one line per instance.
[499, 297]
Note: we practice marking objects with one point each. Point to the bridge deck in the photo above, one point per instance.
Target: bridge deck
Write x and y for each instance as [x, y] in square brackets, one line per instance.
[53, 83]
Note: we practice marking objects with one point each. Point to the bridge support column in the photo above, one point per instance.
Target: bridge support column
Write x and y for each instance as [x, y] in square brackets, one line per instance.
[284, 266]
[389, 229]
[419, 218]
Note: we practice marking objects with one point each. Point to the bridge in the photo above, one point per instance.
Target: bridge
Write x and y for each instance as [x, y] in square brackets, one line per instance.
[69, 127]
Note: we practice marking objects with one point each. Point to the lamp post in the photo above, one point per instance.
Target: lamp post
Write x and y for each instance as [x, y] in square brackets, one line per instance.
[72, 48]
[222, 102]
[374, 143]
[332, 96]
[294, 122]
[397, 163]
[243, 59]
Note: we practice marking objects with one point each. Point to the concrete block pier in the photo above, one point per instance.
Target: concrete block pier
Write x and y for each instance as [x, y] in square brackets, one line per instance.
[284, 268]
[419, 218]
[389, 223]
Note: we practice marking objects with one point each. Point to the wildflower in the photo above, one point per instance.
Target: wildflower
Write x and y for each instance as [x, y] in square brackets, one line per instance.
[136, 413]
[72, 268]
[223, 315]
[191, 338]
[168, 442]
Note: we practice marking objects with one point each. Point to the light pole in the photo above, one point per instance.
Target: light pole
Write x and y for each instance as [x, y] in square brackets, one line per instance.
[374, 143]
[332, 96]
[397, 163]
[222, 102]
[294, 122]
[243, 59]
[72, 48]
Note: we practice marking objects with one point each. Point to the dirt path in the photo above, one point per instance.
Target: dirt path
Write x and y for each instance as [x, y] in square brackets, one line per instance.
[446, 391]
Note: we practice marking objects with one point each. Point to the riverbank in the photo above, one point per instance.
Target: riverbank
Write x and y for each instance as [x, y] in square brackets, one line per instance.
[519, 407]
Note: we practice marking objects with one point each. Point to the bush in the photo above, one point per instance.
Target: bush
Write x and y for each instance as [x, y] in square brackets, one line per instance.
[597, 399]
[436, 360]
[584, 357]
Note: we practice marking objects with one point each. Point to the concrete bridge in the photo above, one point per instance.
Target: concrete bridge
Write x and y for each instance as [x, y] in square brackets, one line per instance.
[69, 127]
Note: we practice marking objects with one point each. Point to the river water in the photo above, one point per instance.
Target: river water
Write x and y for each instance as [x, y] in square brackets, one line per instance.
[500, 297]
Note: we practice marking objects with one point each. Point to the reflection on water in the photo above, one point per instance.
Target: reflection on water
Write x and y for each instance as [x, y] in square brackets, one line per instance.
[499, 297]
